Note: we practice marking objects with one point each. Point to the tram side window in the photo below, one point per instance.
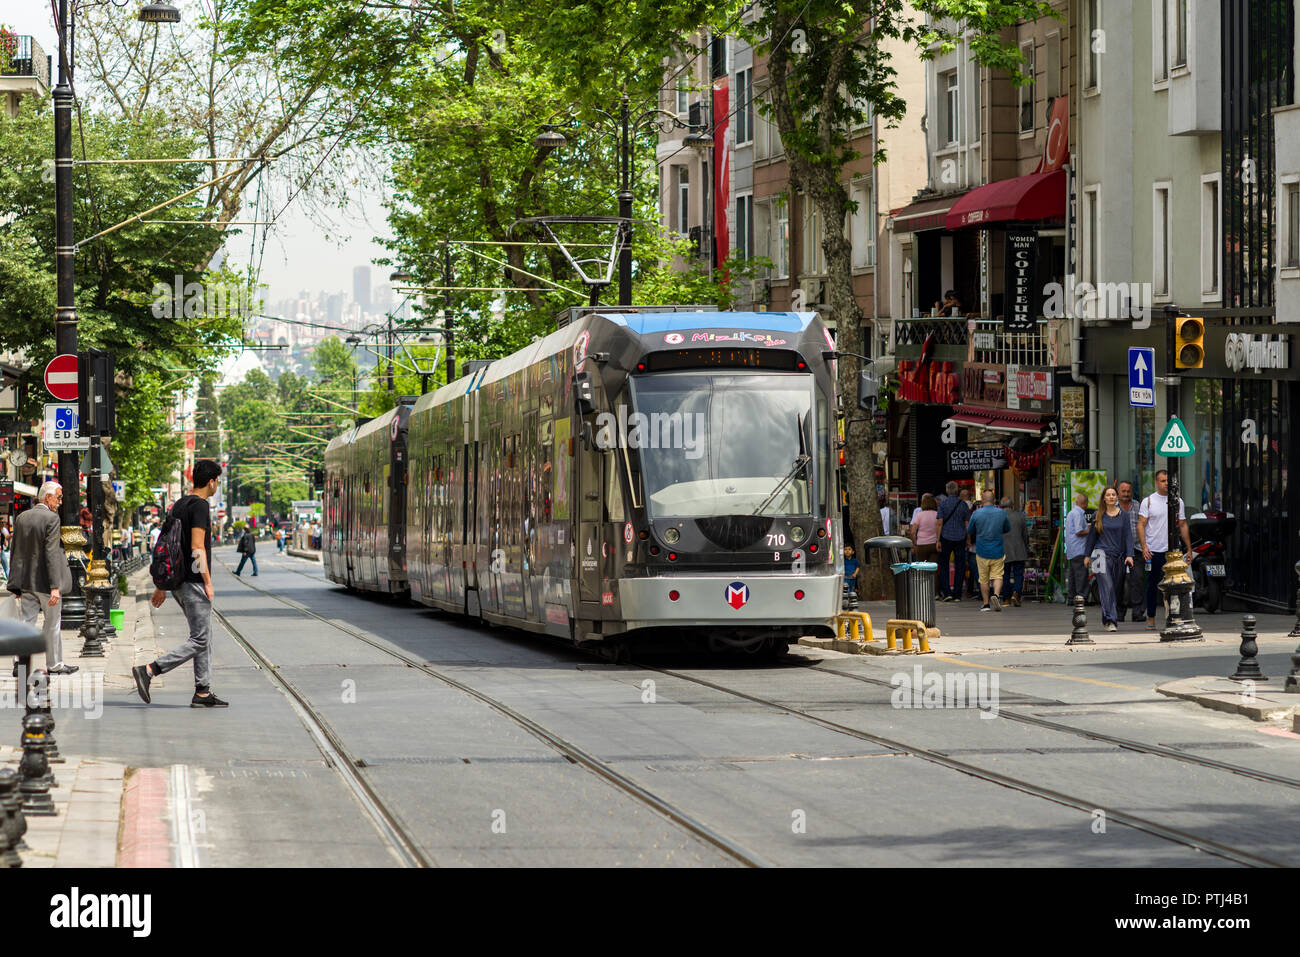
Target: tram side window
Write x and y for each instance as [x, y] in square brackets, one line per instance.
[613, 489]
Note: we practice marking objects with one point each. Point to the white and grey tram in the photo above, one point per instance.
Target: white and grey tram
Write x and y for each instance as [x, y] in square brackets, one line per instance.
[650, 473]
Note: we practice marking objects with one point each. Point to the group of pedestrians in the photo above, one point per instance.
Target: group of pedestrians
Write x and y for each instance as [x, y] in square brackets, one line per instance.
[989, 540]
[1124, 547]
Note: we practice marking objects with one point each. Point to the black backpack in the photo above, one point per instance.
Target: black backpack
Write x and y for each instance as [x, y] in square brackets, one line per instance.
[167, 565]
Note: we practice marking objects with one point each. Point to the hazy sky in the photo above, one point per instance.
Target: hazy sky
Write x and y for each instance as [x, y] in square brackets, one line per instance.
[298, 256]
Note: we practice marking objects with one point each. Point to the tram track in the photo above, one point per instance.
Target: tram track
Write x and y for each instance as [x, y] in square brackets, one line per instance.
[1145, 825]
[1174, 835]
[387, 822]
[1127, 744]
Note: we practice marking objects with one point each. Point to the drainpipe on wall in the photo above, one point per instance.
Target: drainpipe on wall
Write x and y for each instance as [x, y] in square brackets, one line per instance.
[1076, 333]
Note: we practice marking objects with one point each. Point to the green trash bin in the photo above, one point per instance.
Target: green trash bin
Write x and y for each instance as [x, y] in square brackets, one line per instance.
[118, 617]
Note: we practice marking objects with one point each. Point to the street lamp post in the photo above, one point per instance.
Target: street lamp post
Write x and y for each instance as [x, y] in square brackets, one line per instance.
[65, 310]
[551, 138]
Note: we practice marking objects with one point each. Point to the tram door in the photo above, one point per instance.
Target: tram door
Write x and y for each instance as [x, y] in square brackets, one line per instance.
[528, 465]
[591, 489]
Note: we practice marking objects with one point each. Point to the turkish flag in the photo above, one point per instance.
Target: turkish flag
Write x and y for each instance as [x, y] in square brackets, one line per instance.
[1056, 150]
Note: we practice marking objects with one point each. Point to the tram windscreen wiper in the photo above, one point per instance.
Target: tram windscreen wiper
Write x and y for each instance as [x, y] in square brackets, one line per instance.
[800, 463]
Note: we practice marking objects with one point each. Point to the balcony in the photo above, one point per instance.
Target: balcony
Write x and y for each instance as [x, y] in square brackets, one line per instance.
[28, 72]
[977, 339]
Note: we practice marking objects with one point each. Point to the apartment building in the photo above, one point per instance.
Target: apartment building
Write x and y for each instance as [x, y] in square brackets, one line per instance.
[736, 198]
[1189, 177]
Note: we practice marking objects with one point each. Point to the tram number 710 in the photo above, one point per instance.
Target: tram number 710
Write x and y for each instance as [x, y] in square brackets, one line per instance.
[775, 539]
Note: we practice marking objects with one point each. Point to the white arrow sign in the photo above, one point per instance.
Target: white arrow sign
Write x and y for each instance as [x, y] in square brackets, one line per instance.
[1141, 367]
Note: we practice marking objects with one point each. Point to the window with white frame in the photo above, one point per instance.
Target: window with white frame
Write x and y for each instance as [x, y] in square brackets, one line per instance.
[1092, 46]
[683, 92]
[949, 111]
[1053, 77]
[745, 226]
[1289, 201]
[1211, 237]
[683, 200]
[1159, 42]
[862, 225]
[1160, 252]
[744, 106]
[1027, 91]
[780, 239]
[1178, 26]
[1091, 237]
[814, 258]
[762, 229]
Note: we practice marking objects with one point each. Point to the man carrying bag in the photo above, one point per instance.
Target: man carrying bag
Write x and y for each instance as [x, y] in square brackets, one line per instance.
[247, 547]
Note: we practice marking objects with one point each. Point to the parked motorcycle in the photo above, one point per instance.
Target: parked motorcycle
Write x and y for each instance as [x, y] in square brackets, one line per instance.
[1209, 532]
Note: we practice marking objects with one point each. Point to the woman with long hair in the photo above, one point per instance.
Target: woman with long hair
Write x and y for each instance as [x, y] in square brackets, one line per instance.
[1110, 541]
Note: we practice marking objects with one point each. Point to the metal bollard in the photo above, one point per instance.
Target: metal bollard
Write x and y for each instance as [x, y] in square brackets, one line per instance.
[35, 769]
[10, 812]
[91, 647]
[38, 702]
[12, 802]
[1079, 636]
[1248, 667]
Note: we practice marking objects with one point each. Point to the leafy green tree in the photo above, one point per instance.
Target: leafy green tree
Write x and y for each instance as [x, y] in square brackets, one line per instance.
[829, 61]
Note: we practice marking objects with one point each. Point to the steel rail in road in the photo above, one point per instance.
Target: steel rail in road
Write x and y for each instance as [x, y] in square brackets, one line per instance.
[1237, 855]
[336, 753]
[566, 748]
[1143, 747]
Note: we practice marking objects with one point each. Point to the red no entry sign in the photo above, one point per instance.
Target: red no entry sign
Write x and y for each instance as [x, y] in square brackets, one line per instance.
[61, 377]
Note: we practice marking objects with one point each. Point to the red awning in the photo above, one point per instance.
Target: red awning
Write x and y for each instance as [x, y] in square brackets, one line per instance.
[926, 214]
[1025, 198]
[1001, 420]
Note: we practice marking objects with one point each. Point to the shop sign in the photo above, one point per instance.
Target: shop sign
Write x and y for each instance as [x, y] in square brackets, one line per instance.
[1244, 350]
[1021, 287]
[976, 460]
[984, 384]
[1028, 386]
[1073, 410]
[984, 340]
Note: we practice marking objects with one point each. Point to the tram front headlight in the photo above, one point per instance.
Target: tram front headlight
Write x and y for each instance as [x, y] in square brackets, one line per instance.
[672, 536]
[797, 533]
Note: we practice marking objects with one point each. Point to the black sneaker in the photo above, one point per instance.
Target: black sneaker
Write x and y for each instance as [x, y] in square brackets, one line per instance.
[208, 700]
[142, 678]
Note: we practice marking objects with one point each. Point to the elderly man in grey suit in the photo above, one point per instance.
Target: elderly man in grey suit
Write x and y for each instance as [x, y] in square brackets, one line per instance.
[38, 572]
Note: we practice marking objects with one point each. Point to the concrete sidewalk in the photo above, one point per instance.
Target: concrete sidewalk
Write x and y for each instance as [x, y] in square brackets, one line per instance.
[1043, 626]
[89, 792]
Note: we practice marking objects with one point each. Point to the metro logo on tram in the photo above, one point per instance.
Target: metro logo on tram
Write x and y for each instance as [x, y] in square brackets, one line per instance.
[737, 595]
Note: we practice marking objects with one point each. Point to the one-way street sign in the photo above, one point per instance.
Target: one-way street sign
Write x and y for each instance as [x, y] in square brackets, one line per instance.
[1142, 377]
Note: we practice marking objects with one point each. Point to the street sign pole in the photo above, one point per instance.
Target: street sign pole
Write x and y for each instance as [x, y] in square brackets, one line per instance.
[1176, 583]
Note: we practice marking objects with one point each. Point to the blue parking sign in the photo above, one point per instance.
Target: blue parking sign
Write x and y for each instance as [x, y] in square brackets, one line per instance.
[1142, 377]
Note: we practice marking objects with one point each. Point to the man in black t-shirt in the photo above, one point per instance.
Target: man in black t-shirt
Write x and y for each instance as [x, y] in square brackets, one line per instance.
[194, 594]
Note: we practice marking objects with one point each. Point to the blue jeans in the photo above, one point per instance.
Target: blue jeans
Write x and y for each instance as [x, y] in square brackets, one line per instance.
[1015, 577]
[246, 558]
[955, 551]
[1154, 597]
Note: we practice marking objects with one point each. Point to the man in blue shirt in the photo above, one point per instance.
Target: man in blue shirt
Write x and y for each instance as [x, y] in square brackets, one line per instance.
[953, 514]
[987, 526]
[850, 570]
[1076, 537]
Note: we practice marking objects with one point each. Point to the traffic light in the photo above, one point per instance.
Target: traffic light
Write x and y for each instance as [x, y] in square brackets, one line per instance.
[96, 392]
[1189, 342]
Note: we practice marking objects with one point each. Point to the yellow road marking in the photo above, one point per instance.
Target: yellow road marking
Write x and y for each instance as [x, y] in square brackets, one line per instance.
[1042, 674]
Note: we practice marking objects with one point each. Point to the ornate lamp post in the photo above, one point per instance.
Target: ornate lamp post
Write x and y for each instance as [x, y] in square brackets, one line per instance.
[65, 312]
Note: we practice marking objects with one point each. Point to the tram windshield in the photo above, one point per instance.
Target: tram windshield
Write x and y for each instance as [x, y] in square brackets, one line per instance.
[725, 443]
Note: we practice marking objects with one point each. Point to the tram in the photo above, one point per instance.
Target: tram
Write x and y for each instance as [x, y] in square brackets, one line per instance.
[657, 472]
